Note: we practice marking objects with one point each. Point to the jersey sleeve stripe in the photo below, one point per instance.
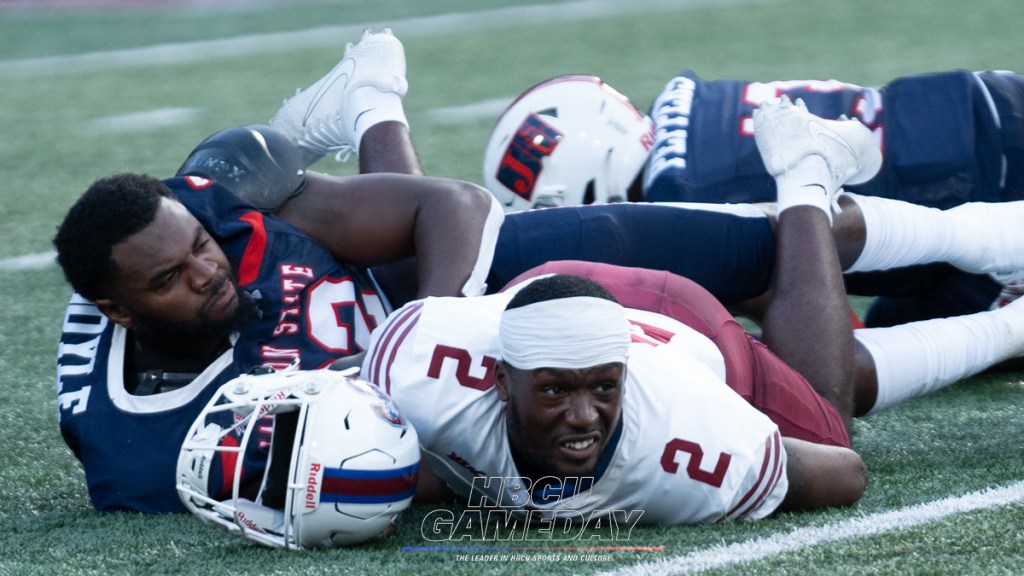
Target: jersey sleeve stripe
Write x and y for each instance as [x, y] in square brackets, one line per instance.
[780, 462]
[386, 349]
[252, 259]
[767, 479]
[760, 478]
[384, 335]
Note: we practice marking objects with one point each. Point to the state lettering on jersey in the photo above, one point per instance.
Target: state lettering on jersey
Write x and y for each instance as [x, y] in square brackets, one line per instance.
[294, 280]
[84, 326]
[331, 313]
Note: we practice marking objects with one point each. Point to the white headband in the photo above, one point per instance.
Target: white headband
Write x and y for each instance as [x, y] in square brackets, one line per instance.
[573, 333]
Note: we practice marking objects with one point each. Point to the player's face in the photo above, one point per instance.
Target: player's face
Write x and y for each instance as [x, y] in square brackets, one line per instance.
[174, 280]
[560, 421]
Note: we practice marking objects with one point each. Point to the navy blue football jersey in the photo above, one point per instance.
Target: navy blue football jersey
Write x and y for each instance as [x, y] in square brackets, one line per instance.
[128, 445]
[311, 310]
[939, 134]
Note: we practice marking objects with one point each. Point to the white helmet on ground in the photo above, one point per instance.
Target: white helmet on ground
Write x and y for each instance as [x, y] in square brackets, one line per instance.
[343, 462]
[569, 140]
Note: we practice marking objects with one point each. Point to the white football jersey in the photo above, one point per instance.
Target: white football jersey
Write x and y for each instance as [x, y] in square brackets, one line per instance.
[691, 450]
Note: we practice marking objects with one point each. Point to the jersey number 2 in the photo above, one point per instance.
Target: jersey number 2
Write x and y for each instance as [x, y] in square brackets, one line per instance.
[463, 364]
[693, 469]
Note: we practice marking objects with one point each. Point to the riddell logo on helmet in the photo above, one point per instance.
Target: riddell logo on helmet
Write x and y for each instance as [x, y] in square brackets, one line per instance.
[647, 138]
[200, 468]
[271, 403]
[311, 485]
[248, 522]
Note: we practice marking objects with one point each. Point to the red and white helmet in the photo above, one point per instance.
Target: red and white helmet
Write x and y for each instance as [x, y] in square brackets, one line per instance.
[569, 140]
[342, 462]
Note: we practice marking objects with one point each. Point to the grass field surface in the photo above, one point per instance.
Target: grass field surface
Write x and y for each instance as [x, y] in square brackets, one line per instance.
[87, 91]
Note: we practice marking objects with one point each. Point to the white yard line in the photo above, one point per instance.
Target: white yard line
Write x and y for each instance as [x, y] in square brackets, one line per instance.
[469, 112]
[800, 538]
[144, 121]
[29, 261]
[426, 26]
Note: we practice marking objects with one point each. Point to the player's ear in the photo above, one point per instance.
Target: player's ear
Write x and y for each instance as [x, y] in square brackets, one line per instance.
[501, 377]
[115, 312]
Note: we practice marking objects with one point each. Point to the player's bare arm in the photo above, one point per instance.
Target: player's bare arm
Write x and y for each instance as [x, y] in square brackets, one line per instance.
[372, 219]
[822, 476]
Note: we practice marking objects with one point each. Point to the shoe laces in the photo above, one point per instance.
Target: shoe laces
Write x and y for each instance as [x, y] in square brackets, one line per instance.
[328, 135]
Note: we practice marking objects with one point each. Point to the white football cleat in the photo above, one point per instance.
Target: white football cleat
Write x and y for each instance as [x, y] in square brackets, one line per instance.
[786, 133]
[319, 118]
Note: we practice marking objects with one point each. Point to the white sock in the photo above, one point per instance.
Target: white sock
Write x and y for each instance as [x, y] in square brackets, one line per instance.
[975, 237]
[806, 184]
[921, 357]
[899, 234]
[375, 107]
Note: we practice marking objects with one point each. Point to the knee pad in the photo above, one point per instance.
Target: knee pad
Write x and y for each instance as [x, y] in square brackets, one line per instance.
[255, 162]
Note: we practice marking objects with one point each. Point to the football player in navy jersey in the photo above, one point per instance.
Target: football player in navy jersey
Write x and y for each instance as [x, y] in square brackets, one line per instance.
[947, 137]
[181, 285]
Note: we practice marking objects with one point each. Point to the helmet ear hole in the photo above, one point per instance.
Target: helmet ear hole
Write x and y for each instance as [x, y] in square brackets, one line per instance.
[635, 192]
[588, 193]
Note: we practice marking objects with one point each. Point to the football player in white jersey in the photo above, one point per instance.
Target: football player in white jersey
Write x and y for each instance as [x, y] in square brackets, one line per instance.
[568, 427]
[551, 399]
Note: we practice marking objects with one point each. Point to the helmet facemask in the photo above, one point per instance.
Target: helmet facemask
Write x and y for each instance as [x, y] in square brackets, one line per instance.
[340, 466]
